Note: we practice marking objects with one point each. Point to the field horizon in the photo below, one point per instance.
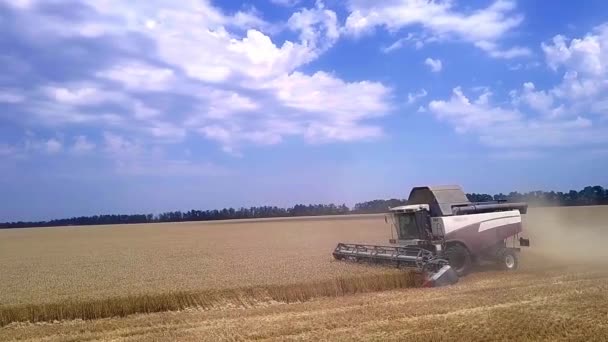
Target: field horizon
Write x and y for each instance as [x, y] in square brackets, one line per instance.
[347, 216]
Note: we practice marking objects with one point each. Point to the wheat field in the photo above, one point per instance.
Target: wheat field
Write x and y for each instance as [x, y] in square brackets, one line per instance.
[276, 280]
[46, 265]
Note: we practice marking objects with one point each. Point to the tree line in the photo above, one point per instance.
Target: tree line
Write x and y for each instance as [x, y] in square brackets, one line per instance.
[590, 195]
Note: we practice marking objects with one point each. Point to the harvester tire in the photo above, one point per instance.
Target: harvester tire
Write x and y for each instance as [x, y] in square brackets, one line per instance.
[508, 260]
[459, 258]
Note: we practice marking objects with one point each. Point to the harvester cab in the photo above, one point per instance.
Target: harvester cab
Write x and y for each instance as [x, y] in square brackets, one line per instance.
[412, 226]
[441, 233]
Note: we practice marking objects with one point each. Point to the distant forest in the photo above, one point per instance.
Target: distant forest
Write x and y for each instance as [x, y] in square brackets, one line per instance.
[591, 195]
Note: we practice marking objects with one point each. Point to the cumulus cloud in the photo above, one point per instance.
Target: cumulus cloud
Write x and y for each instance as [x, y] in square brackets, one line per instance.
[306, 101]
[434, 64]
[538, 100]
[583, 61]
[585, 55]
[509, 127]
[572, 112]
[467, 115]
[318, 27]
[163, 70]
[323, 92]
[483, 28]
[582, 89]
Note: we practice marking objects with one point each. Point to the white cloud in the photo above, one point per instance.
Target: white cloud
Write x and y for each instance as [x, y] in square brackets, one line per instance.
[434, 64]
[76, 96]
[81, 94]
[324, 94]
[417, 41]
[140, 76]
[570, 113]
[230, 136]
[398, 44]
[586, 55]
[195, 37]
[320, 108]
[227, 55]
[577, 87]
[220, 75]
[318, 27]
[82, 145]
[413, 97]
[223, 104]
[483, 27]
[311, 99]
[467, 115]
[508, 127]
[584, 85]
[250, 19]
[540, 101]
[495, 51]
[55, 114]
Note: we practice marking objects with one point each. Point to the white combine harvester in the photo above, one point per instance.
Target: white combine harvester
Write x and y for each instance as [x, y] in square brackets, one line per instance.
[443, 234]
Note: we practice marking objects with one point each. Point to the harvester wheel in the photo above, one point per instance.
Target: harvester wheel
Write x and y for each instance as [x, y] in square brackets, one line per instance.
[508, 260]
[459, 259]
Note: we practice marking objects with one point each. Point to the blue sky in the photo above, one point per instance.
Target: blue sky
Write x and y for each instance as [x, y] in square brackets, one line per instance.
[146, 106]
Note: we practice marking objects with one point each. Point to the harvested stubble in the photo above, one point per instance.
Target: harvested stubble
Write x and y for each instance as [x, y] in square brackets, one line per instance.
[240, 297]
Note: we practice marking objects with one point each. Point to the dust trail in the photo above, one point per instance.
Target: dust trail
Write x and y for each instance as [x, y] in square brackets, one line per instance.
[567, 235]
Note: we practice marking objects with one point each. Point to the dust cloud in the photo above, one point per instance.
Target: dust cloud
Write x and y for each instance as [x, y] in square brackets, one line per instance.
[566, 236]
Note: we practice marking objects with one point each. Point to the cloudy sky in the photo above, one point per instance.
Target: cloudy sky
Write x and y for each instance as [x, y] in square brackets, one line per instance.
[110, 106]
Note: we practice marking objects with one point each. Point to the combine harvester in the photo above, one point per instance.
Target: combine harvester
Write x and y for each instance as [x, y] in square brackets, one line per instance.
[442, 234]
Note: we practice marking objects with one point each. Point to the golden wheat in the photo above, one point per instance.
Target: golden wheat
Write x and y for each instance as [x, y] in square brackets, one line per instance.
[49, 265]
[563, 304]
[246, 296]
